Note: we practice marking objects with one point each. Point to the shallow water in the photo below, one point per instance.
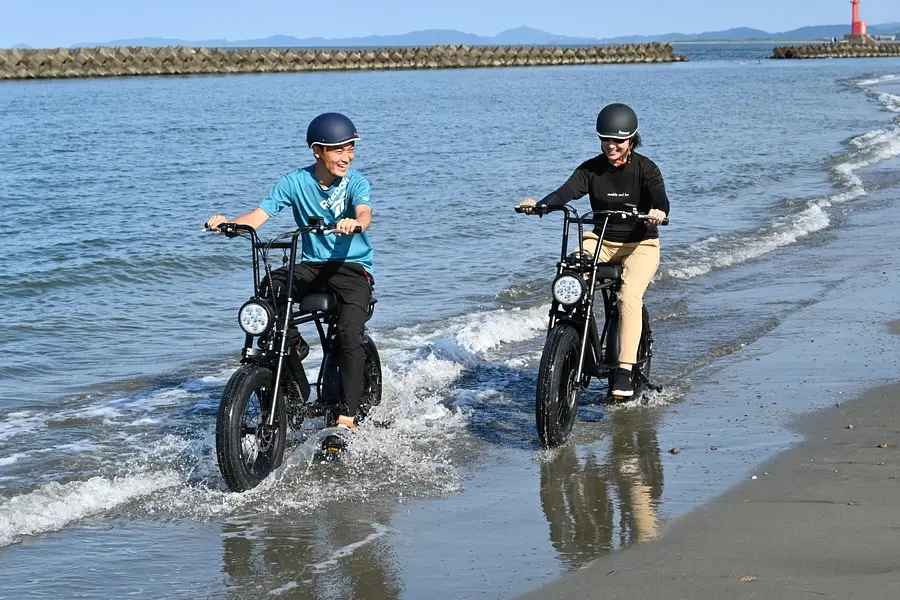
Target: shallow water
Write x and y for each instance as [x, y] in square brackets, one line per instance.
[121, 331]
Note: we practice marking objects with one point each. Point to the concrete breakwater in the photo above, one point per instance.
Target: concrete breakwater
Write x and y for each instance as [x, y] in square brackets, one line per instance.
[839, 50]
[125, 61]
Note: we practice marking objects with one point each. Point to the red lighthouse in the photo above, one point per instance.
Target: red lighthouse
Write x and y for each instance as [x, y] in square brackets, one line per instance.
[858, 27]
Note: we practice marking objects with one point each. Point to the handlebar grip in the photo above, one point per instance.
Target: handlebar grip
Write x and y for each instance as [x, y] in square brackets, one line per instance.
[357, 229]
[647, 218]
[534, 209]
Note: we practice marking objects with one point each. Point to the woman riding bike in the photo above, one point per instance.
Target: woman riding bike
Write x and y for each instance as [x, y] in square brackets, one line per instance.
[621, 179]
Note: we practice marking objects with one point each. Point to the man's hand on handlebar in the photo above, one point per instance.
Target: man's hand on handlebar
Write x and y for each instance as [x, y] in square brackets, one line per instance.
[656, 217]
[348, 226]
[214, 221]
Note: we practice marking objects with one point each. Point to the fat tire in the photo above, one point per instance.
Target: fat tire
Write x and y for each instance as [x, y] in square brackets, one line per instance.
[556, 378]
[645, 355]
[645, 350]
[245, 382]
[372, 380]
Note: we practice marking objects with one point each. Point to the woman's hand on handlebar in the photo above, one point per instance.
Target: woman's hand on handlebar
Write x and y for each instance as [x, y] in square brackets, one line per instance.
[526, 206]
[656, 217]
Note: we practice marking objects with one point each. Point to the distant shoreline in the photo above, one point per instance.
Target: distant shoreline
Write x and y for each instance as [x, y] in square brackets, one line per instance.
[760, 41]
[361, 48]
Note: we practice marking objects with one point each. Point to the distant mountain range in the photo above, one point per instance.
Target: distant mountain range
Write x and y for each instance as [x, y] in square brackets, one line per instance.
[525, 36]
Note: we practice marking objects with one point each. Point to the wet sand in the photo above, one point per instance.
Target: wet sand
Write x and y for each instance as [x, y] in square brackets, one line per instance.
[819, 521]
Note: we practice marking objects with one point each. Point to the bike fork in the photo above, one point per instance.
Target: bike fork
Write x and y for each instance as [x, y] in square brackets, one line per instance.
[284, 334]
[280, 366]
[589, 309]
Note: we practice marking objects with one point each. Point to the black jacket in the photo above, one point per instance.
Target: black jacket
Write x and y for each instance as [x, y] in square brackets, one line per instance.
[636, 183]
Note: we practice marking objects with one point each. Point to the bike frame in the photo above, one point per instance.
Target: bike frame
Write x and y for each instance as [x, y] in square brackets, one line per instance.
[286, 318]
[581, 314]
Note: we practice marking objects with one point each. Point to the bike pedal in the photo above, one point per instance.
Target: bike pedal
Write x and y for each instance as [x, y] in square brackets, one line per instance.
[332, 446]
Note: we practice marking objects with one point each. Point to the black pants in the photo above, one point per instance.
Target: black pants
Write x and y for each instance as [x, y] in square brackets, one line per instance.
[353, 287]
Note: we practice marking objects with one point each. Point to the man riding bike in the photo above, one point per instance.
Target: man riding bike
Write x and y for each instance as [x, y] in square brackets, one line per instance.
[621, 179]
[328, 189]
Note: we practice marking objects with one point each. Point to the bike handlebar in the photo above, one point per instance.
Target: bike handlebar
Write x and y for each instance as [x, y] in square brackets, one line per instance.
[543, 209]
[233, 229]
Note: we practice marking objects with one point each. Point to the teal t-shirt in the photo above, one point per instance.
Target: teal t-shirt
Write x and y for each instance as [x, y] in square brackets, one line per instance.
[300, 190]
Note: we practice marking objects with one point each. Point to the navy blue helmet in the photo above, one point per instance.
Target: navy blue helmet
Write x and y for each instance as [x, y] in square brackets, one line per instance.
[331, 129]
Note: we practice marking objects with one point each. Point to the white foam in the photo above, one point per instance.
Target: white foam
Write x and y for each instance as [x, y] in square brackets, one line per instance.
[489, 330]
[285, 588]
[53, 506]
[651, 399]
[12, 459]
[76, 447]
[349, 549]
[740, 251]
[889, 101]
[875, 147]
[105, 412]
[20, 422]
[876, 80]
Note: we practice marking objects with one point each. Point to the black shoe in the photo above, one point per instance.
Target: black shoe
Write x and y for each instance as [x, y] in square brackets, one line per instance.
[622, 387]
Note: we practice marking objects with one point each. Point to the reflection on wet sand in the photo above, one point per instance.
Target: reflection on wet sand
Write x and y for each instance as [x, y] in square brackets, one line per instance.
[337, 553]
[607, 496]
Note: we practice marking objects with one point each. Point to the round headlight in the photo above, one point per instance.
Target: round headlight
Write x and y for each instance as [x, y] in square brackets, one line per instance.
[255, 317]
[568, 289]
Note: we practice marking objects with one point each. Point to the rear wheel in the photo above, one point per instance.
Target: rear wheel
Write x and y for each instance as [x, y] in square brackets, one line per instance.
[372, 382]
[556, 405]
[247, 448]
[371, 392]
[645, 355]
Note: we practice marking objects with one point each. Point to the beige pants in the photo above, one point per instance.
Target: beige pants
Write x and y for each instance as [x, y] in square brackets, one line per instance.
[639, 263]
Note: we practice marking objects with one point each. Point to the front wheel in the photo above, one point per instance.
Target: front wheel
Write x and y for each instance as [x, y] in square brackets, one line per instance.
[556, 405]
[247, 448]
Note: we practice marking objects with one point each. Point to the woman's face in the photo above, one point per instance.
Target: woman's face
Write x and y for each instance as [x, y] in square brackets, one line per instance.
[615, 150]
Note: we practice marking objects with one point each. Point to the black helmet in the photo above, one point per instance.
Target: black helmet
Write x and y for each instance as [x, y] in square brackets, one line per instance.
[331, 129]
[617, 121]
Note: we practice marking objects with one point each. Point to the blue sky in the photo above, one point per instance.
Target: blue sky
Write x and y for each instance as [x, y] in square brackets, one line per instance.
[50, 23]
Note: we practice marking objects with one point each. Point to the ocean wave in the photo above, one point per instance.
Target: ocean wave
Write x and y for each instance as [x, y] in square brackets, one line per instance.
[740, 250]
[717, 252]
[890, 101]
[53, 506]
[877, 80]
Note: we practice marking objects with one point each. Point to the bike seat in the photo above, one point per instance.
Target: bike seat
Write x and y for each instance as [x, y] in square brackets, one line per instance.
[318, 303]
[609, 271]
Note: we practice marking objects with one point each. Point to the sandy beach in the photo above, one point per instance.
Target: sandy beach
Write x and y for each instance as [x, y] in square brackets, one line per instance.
[818, 521]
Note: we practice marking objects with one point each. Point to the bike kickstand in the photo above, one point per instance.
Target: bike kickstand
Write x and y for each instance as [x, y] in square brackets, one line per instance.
[655, 388]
